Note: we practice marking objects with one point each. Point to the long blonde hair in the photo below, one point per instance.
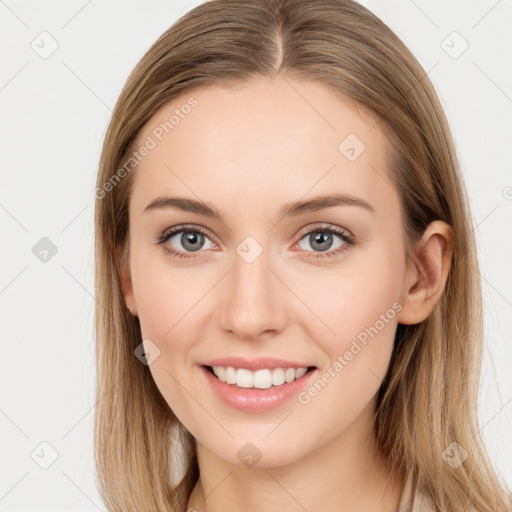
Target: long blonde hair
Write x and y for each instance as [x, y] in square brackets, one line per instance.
[428, 398]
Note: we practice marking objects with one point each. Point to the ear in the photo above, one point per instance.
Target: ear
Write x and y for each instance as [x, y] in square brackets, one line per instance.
[427, 273]
[126, 281]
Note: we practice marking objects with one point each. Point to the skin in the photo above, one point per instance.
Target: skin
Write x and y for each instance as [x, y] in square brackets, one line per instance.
[247, 149]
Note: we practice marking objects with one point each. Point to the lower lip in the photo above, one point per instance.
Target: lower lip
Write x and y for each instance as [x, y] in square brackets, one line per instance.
[256, 400]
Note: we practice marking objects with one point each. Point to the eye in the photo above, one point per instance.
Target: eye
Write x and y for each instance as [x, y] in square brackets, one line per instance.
[183, 239]
[322, 239]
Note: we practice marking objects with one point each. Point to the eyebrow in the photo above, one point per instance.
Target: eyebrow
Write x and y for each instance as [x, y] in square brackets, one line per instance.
[287, 210]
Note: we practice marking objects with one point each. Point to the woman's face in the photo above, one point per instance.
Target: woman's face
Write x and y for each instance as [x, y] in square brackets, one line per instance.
[262, 285]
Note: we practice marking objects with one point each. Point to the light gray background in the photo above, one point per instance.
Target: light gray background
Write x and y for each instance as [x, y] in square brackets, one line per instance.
[55, 112]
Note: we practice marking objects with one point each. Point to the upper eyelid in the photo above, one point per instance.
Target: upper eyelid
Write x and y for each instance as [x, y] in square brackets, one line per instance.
[175, 230]
[324, 226]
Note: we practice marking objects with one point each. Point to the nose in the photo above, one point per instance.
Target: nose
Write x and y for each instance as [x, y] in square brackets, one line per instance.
[253, 299]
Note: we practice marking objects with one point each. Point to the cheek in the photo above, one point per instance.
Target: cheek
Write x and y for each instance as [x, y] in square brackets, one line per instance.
[354, 295]
[170, 300]
[363, 314]
[167, 300]
[361, 307]
[165, 294]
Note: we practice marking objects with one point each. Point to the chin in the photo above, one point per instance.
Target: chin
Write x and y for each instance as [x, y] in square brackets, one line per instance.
[258, 451]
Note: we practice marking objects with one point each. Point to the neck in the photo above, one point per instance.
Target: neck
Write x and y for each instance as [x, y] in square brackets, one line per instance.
[348, 473]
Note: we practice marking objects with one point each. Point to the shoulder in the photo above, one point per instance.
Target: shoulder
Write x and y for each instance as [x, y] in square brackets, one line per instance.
[414, 499]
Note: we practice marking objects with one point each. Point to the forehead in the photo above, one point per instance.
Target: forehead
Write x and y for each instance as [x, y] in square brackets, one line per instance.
[279, 138]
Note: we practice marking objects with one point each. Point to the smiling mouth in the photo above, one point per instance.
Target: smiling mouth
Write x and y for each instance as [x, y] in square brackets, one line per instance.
[260, 379]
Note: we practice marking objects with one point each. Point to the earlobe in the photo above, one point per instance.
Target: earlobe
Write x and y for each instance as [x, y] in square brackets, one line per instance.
[427, 274]
[126, 282]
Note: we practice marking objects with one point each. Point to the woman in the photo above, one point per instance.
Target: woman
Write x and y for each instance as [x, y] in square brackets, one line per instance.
[290, 310]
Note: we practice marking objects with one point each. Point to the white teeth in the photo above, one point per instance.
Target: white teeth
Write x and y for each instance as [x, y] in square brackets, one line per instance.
[278, 377]
[289, 375]
[244, 378]
[300, 372]
[260, 379]
[230, 375]
[220, 371]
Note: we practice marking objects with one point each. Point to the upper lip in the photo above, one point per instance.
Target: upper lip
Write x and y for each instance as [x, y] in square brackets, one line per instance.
[259, 363]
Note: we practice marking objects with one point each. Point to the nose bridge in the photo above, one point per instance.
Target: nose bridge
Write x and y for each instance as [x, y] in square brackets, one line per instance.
[253, 300]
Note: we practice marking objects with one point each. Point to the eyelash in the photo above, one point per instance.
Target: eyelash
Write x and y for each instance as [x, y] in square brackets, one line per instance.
[347, 238]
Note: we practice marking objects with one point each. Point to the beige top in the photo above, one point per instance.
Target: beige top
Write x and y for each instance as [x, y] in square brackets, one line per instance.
[413, 499]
